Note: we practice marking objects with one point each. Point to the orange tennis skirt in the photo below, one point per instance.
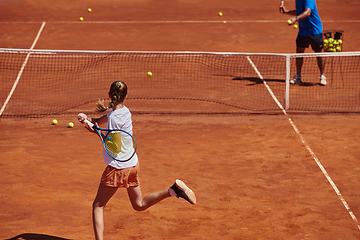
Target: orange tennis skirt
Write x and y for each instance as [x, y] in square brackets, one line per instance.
[126, 177]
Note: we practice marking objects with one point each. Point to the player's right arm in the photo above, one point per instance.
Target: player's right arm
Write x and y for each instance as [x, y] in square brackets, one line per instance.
[283, 9]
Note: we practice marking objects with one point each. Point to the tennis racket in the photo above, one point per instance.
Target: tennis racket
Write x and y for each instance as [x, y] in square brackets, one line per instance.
[281, 6]
[118, 144]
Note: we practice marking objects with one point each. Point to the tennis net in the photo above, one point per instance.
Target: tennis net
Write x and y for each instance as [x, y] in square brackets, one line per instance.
[35, 83]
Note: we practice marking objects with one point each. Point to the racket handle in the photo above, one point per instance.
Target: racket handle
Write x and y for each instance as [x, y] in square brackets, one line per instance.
[89, 123]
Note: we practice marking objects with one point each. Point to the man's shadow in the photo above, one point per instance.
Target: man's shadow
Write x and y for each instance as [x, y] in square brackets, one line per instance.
[34, 236]
[255, 81]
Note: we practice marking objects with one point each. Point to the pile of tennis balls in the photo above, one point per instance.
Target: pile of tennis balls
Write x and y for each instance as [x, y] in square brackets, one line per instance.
[332, 45]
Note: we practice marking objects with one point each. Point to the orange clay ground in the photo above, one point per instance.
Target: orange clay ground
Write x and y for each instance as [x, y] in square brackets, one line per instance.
[253, 176]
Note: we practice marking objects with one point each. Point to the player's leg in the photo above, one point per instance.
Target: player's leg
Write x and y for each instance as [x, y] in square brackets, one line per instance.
[178, 189]
[317, 44]
[139, 203]
[299, 61]
[321, 65]
[134, 191]
[102, 197]
[301, 44]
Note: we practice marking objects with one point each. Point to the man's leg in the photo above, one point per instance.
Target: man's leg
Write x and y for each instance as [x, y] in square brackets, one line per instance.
[320, 63]
[299, 61]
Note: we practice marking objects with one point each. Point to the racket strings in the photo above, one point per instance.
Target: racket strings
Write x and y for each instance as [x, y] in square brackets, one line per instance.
[113, 142]
[119, 145]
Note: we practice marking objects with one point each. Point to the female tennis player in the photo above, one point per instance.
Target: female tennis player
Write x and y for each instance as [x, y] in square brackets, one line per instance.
[124, 174]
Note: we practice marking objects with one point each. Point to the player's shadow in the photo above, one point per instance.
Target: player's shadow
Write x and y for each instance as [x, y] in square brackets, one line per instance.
[260, 81]
[34, 236]
[308, 84]
[255, 80]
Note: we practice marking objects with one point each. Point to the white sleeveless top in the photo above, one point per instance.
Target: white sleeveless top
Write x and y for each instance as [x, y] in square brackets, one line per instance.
[120, 119]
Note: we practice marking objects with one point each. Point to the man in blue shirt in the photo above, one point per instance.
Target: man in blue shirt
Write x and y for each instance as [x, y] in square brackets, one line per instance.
[310, 33]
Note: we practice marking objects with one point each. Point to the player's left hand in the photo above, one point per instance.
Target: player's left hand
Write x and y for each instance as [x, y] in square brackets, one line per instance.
[293, 20]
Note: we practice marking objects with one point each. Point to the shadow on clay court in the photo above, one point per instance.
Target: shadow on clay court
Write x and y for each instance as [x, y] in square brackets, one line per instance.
[260, 81]
[308, 84]
[256, 80]
[34, 236]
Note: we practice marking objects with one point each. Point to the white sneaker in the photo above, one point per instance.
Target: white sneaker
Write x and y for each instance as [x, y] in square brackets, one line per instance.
[183, 191]
[296, 79]
[323, 80]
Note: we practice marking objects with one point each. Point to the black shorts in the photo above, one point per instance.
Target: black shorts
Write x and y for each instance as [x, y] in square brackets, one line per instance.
[316, 42]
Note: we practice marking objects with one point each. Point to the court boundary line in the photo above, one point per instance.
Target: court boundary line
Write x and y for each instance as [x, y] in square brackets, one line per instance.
[267, 86]
[325, 173]
[322, 168]
[172, 22]
[21, 70]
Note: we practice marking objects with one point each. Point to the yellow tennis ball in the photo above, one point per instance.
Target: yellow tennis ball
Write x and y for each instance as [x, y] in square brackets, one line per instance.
[149, 74]
[289, 21]
[71, 125]
[295, 26]
[89, 9]
[220, 14]
[54, 122]
[81, 19]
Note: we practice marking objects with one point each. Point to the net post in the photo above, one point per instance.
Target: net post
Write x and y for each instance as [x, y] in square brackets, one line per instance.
[287, 82]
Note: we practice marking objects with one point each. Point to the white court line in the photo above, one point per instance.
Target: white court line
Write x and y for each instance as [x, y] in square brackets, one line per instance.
[308, 148]
[21, 71]
[176, 21]
[267, 86]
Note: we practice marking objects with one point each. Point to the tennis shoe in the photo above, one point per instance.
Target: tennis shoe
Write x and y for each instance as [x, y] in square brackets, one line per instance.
[184, 191]
[296, 79]
[323, 80]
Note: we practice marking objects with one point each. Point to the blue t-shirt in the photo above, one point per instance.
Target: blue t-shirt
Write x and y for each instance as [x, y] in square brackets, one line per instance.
[311, 25]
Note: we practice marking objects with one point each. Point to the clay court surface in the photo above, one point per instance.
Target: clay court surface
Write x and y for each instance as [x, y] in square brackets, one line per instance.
[254, 176]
